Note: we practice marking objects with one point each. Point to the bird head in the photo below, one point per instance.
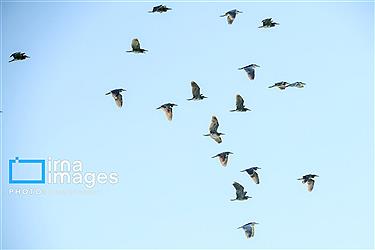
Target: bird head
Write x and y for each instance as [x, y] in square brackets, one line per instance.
[237, 11]
[254, 65]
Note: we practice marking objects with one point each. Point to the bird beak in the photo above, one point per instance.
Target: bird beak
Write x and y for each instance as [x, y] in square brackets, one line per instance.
[240, 12]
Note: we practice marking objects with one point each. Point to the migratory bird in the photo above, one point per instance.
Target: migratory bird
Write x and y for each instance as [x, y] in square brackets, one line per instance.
[160, 9]
[196, 91]
[250, 70]
[167, 108]
[253, 174]
[136, 47]
[309, 181]
[231, 15]
[116, 94]
[249, 229]
[18, 56]
[240, 193]
[213, 130]
[240, 107]
[299, 85]
[281, 85]
[268, 23]
[223, 158]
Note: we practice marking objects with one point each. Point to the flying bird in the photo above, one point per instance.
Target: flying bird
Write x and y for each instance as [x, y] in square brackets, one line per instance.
[18, 56]
[196, 91]
[223, 158]
[250, 70]
[160, 9]
[268, 23]
[240, 107]
[213, 130]
[167, 108]
[116, 94]
[281, 85]
[249, 229]
[309, 181]
[231, 15]
[136, 47]
[253, 174]
[299, 85]
[240, 193]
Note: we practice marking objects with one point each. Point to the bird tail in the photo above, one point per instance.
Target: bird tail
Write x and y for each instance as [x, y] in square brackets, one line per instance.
[233, 199]
[233, 110]
[222, 15]
[129, 51]
[190, 99]
[206, 135]
[261, 27]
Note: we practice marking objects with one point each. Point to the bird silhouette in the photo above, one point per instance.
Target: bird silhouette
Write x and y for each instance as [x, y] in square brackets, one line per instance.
[231, 15]
[249, 229]
[281, 85]
[223, 158]
[160, 9]
[309, 181]
[250, 70]
[168, 110]
[116, 94]
[268, 23]
[213, 130]
[136, 47]
[299, 85]
[240, 192]
[240, 107]
[196, 91]
[18, 56]
[253, 174]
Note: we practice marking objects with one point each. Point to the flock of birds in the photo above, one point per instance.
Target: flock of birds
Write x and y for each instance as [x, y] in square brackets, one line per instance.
[241, 194]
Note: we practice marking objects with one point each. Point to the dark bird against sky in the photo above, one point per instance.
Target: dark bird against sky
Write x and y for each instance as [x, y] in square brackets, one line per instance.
[240, 192]
[240, 107]
[213, 130]
[196, 92]
[116, 94]
[231, 15]
[249, 229]
[18, 56]
[223, 158]
[250, 70]
[160, 9]
[136, 47]
[168, 110]
[253, 174]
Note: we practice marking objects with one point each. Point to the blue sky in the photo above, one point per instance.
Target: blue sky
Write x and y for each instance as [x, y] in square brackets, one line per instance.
[171, 193]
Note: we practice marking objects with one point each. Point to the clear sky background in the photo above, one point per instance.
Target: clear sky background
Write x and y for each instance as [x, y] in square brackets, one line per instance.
[171, 193]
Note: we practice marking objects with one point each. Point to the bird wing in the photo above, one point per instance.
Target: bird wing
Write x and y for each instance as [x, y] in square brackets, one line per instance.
[249, 231]
[223, 160]
[239, 188]
[255, 177]
[266, 21]
[118, 100]
[231, 16]
[135, 44]
[239, 102]
[196, 91]
[310, 184]
[168, 113]
[214, 125]
[250, 72]
[216, 137]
